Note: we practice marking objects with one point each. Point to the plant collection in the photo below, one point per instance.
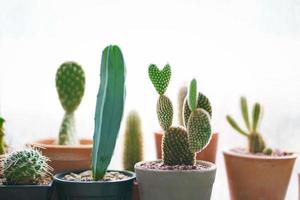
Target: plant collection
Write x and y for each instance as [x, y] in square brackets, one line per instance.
[67, 167]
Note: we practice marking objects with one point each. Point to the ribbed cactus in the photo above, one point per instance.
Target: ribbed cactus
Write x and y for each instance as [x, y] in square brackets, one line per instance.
[256, 144]
[25, 167]
[70, 84]
[2, 142]
[181, 143]
[109, 109]
[181, 97]
[133, 143]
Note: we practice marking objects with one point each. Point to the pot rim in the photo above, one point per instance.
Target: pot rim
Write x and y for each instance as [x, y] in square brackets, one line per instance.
[27, 186]
[57, 177]
[213, 167]
[39, 143]
[230, 152]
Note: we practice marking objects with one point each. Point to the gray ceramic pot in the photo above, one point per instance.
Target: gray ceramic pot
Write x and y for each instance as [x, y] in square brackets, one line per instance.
[174, 184]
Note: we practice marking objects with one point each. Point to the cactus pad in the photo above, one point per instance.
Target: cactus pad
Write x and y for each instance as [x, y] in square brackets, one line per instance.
[199, 130]
[160, 78]
[175, 147]
[164, 112]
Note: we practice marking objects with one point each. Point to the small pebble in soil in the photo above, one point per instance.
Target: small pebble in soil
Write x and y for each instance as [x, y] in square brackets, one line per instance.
[87, 176]
[160, 166]
[275, 152]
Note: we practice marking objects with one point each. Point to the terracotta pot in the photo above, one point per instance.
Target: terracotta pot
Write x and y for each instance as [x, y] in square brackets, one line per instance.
[66, 157]
[258, 177]
[208, 154]
[135, 191]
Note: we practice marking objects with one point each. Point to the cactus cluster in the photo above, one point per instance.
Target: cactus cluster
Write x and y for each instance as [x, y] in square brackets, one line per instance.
[133, 143]
[26, 167]
[2, 142]
[180, 143]
[70, 84]
[256, 143]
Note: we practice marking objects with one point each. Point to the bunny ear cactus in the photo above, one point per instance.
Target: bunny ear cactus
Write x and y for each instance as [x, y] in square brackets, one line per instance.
[109, 109]
[70, 84]
[179, 143]
[25, 167]
[256, 143]
[2, 142]
[133, 145]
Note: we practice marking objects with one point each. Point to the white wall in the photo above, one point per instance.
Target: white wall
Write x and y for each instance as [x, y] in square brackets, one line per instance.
[232, 47]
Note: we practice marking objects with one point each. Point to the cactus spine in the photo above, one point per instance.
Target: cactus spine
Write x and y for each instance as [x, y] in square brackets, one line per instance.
[25, 167]
[133, 144]
[181, 143]
[256, 143]
[109, 109]
[70, 84]
[2, 142]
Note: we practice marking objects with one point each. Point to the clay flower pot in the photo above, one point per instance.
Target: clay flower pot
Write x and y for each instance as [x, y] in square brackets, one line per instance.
[208, 154]
[258, 177]
[66, 157]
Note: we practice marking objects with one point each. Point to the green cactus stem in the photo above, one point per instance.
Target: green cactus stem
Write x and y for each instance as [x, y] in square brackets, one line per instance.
[133, 143]
[164, 112]
[70, 84]
[109, 109]
[181, 97]
[2, 142]
[256, 143]
[25, 167]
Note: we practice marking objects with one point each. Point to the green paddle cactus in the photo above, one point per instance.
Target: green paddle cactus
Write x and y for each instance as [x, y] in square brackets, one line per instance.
[256, 143]
[180, 143]
[70, 84]
[2, 142]
[133, 143]
[27, 166]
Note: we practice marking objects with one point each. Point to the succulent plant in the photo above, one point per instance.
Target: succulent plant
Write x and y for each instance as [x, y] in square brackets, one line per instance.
[256, 143]
[70, 84]
[180, 143]
[181, 97]
[26, 167]
[133, 143]
[109, 109]
[2, 142]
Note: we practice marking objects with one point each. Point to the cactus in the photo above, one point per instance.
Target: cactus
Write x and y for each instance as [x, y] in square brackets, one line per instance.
[181, 97]
[133, 144]
[256, 143]
[109, 109]
[27, 166]
[70, 83]
[181, 143]
[2, 142]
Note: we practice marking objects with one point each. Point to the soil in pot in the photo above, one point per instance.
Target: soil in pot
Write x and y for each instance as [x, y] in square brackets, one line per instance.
[80, 185]
[66, 157]
[179, 182]
[207, 154]
[258, 176]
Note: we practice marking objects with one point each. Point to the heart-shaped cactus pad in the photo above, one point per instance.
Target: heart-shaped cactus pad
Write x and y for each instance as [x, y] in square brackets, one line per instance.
[160, 78]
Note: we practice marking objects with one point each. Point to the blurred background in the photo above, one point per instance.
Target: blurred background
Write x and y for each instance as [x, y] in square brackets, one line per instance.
[232, 47]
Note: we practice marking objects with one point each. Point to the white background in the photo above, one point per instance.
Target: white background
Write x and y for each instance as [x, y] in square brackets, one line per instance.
[232, 47]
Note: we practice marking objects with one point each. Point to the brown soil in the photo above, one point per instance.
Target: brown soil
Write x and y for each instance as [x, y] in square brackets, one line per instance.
[87, 176]
[160, 166]
[275, 153]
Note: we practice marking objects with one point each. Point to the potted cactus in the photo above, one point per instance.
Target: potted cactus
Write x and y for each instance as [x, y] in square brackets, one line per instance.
[210, 151]
[178, 175]
[133, 146]
[68, 152]
[26, 176]
[256, 172]
[98, 183]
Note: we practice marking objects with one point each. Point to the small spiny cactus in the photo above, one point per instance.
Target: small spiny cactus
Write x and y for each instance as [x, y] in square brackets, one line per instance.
[70, 84]
[2, 142]
[181, 143]
[26, 167]
[256, 143]
[133, 144]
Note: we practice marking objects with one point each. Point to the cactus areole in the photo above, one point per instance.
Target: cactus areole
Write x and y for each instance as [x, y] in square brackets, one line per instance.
[181, 143]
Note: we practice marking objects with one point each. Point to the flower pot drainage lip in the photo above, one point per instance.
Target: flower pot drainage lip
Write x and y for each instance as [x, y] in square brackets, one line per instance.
[259, 157]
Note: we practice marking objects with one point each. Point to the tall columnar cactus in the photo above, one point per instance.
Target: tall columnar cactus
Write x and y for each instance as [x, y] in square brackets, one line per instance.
[2, 142]
[70, 84]
[181, 97]
[133, 144]
[255, 140]
[181, 143]
[109, 109]
[25, 167]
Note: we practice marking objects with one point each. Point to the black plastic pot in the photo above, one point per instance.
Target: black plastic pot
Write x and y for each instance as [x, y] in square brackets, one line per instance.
[100, 190]
[25, 192]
